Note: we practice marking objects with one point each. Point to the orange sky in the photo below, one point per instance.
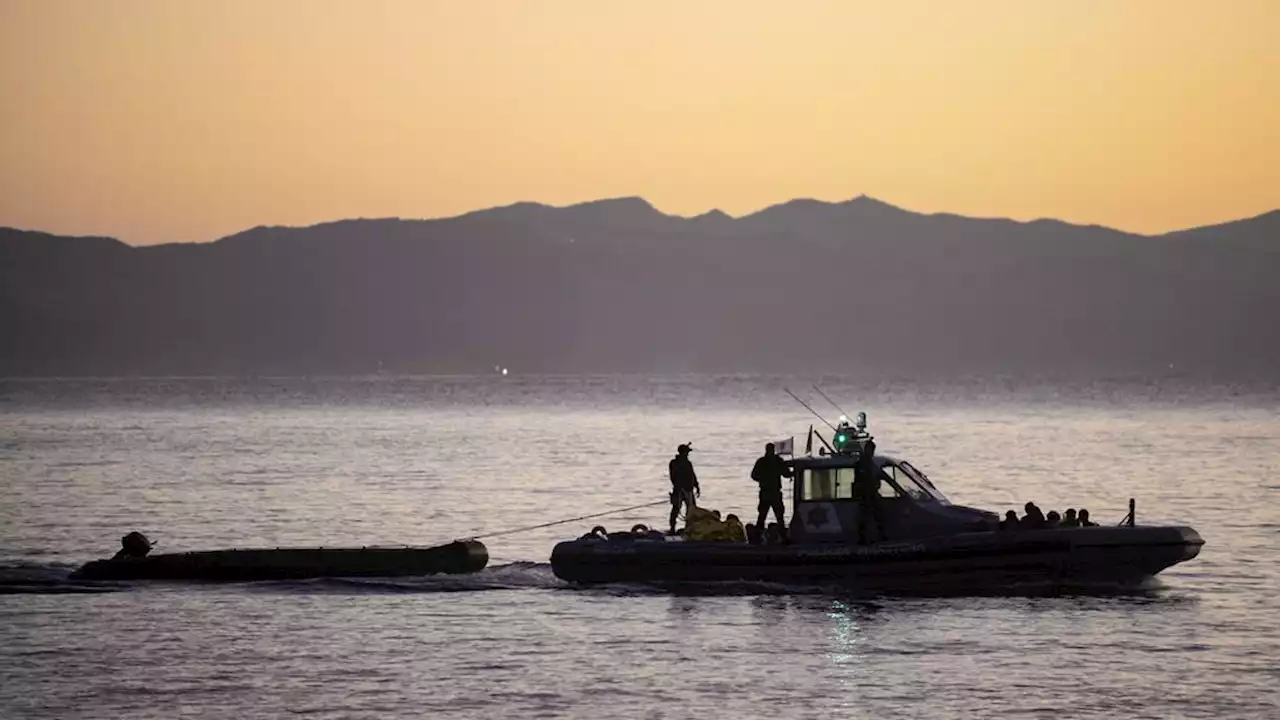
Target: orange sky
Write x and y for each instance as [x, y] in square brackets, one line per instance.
[178, 120]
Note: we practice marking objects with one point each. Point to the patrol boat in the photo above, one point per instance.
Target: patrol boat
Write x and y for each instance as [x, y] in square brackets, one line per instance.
[931, 544]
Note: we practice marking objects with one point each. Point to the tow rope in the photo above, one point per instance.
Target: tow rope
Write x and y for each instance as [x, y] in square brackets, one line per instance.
[568, 520]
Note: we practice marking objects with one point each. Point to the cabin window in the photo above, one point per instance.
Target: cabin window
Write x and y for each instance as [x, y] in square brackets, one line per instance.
[923, 481]
[887, 490]
[908, 485]
[827, 484]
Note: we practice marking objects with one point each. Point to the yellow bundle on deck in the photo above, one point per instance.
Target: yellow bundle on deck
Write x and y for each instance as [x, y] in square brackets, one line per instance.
[701, 524]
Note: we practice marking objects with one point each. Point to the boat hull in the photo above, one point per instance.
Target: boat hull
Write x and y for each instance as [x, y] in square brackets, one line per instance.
[292, 563]
[975, 561]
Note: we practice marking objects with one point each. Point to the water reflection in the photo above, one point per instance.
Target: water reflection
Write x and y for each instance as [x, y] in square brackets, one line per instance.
[847, 631]
[1199, 645]
[684, 608]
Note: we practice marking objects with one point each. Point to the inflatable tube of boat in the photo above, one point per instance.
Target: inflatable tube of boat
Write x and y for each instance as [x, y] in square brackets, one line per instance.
[455, 558]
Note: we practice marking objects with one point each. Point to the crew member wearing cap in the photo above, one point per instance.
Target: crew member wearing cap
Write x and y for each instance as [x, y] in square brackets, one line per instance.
[684, 483]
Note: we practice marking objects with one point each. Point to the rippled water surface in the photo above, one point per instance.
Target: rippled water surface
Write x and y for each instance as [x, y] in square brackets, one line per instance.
[204, 464]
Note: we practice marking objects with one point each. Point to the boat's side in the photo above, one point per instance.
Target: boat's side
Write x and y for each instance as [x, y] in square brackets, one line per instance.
[975, 560]
[1128, 553]
[293, 563]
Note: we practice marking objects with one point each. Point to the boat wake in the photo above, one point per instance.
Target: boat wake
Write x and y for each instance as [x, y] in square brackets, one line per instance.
[54, 578]
[27, 578]
[510, 576]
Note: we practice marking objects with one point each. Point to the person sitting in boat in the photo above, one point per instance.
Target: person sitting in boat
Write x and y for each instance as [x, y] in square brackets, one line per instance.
[1010, 521]
[1083, 517]
[702, 524]
[1053, 519]
[1069, 519]
[773, 535]
[684, 483]
[1034, 518]
[717, 527]
[135, 545]
[734, 530]
[768, 472]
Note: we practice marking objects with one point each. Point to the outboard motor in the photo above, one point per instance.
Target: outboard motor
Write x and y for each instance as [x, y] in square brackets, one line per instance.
[134, 545]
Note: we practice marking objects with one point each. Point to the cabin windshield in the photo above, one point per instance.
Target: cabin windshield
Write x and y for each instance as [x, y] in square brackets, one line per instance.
[898, 477]
[922, 481]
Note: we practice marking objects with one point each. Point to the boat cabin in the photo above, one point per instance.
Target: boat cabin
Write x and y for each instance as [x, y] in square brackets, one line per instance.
[826, 510]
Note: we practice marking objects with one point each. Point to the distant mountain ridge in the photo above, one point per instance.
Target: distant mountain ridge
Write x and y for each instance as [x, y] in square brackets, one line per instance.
[635, 208]
[859, 286]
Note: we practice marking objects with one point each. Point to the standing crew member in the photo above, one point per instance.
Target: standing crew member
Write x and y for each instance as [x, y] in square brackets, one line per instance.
[768, 473]
[684, 483]
[866, 488]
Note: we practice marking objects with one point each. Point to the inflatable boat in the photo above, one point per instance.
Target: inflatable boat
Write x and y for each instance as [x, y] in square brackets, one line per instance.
[134, 562]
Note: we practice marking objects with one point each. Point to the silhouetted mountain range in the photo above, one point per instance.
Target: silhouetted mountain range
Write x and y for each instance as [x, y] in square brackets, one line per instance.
[617, 286]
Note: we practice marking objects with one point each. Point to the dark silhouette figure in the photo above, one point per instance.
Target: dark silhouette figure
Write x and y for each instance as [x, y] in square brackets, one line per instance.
[768, 472]
[684, 483]
[1083, 517]
[775, 535]
[733, 524]
[133, 545]
[1069, 518]
[1052, 520]
[1010, 521]
[1034, 519]
[866, 489]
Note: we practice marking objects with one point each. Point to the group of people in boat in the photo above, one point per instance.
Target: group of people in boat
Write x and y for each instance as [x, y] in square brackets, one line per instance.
[703, 524]
[1036, 519]
[768, 471]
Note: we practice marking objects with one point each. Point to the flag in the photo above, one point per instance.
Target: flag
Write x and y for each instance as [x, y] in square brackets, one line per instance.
[785, 447]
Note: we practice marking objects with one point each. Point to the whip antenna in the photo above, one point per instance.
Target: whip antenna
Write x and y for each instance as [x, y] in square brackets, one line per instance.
[806, 407]
[843, 414]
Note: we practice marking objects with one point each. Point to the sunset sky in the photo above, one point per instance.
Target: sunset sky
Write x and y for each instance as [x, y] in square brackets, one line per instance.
[185, 120]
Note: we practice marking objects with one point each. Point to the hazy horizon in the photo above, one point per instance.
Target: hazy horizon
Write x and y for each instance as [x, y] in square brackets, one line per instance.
[567, 206]
[158, 122]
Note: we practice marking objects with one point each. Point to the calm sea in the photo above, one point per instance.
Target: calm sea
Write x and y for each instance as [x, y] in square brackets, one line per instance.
[216, 463]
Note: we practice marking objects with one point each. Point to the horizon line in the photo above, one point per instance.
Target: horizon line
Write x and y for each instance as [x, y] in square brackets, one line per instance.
[619, 198]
